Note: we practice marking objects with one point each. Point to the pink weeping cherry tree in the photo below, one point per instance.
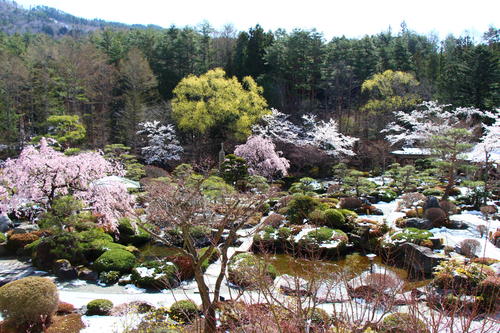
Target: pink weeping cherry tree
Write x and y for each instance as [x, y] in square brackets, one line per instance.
[262, 157]
[38, 176]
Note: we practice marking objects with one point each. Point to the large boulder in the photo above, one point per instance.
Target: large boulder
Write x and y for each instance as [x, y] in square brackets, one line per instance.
[5, 223]
[419, 260]
[418, 223]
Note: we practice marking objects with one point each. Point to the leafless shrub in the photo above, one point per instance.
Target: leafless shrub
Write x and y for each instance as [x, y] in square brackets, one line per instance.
[469, 247]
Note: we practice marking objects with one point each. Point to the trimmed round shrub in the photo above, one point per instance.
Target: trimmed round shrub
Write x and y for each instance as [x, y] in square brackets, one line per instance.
[317, 217]
[334, 218]
[99, 307]
[299, 208]
[155, 275]
[246, 270]
[65, 308]
[437, 216]
[115, 260]
[28, 300]
[184, 311]
[402, 322]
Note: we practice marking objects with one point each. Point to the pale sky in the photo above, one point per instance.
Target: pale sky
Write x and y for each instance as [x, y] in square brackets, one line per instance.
[353, 18]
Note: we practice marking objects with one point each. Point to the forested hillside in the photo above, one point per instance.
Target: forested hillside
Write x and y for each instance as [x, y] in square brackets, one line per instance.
[114, 78]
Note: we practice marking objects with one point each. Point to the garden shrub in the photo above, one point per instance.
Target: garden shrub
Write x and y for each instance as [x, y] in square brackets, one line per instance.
[213, 187]
[433, 192]
[65, 308]
[317, 217]
[299, 208]
[28, 300]
[334, 218]
[384, 194]
[185, 266]
[184, 311]
[304, 185]
[412, 235]
[94, 234]
[131, 235]
[115, 260]
[402, 322]
[437, 216]
[257, 184]
[284, 233]
[110, 277]
[490, 291]
[70, 323]
[16, 242]
[211, 258]
[350, 203]
[155, 274]
[348, 213]
[460, 277]
[233, 169]
[469, 247]
[274, 220]
[246, 270]
[63, 245]
[3, 238]
[99, 307]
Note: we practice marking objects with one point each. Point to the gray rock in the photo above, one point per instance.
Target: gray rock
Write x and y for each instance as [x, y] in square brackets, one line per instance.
[419, 260]
[26, 227]
[418, 223]
[63, 270]
[454, 224]
[87, 274]
[5, 223]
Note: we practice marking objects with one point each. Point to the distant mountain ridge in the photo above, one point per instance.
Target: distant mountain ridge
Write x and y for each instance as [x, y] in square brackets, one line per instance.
[54, 22]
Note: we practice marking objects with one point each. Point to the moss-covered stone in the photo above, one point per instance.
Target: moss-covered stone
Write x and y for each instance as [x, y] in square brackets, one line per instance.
[99, 307]
[156, 275]
[115, 260]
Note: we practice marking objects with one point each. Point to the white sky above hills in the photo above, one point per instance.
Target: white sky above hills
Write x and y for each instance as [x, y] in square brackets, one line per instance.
[353, 18]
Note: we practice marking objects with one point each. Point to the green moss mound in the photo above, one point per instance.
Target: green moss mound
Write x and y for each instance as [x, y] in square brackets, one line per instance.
[334, 219]
[28, 300]
[99, 307]
[412, 235]
[115, 260]
[184, 311]
[299, 208]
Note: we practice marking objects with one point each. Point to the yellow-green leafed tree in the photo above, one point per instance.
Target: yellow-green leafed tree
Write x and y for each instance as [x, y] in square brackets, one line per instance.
[390, 91]
[214, 103]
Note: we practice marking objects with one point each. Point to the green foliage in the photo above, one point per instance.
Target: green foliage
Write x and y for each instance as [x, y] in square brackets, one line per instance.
[110, 277]
[214, 187]
[256, 183]
[433, 192]
[184, 311]
[3, 238]
[402, 322]
[390, 91]
[334, 219]
[156, 274]
[477, 196]
[28, 300]
[461, 277]
[99, 307]
[385, 194]
[403, 177]
[130, 235]
[300, 207]
[304, 185]
[412, 235]
[355, 183]
[64, 245]
[183, 171]
[67, 130]
[62, 213]
[212, 102]
[120, 153]
[234, 169]
[115, 260]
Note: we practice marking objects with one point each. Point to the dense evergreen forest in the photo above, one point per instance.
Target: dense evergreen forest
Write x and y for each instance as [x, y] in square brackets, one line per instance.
[114, 78]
